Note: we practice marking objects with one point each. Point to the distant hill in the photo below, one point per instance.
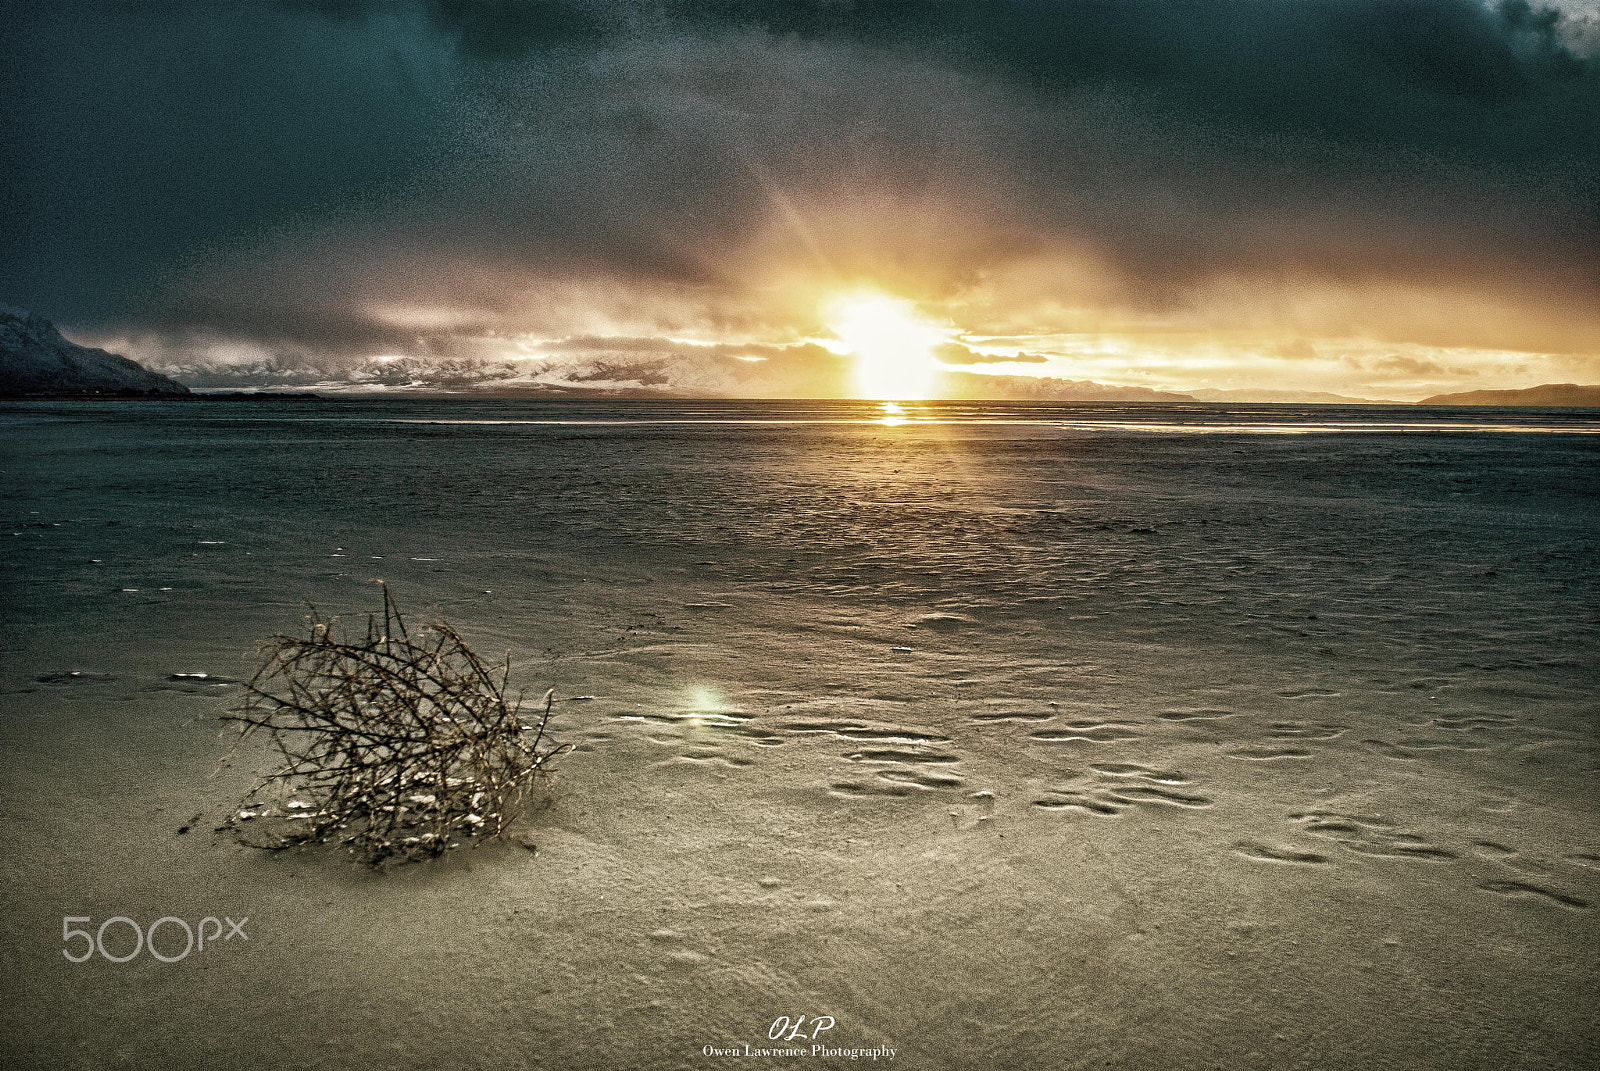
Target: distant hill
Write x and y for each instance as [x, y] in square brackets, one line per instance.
[1293, 397]
[1551, 394]
[35, 359]
[976, 386]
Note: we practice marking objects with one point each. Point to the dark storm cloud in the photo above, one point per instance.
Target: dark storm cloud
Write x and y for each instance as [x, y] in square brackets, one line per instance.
[1491, 79]
[491, 29]
[283, 170]
[136, 133]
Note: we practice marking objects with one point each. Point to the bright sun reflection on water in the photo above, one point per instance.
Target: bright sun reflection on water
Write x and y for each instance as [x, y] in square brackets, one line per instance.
[891, 343]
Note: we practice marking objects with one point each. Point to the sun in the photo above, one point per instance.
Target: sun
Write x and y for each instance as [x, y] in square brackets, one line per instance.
[892, 345]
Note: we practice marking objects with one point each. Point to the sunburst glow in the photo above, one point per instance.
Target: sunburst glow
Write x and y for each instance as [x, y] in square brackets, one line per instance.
[891, 343]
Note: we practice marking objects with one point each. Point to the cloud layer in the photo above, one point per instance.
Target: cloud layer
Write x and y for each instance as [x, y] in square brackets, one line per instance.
[1174, 186]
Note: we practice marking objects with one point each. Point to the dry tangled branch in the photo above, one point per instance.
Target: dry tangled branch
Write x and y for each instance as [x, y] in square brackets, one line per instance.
[393, 744]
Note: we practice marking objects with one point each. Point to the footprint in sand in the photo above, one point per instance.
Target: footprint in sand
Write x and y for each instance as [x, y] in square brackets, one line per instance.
[1300, 730]
[1113, 799]
[1155, 794]
[74, 676]
[1524, 890]
[881, 734]
[1274, 853]
[704, 758]
[945, 622]
[700, 720]
[1371, 835]
[760, 737]
[1267, 754]
[924, 781]
[1490, 849]
[1197, 714]
[856, 790]
[1417, 743]
[1474, 722]
[892, 756]
[1508, 856]
[1068, 800]
[1087, 732]
[1037, 715]
[1133, 769]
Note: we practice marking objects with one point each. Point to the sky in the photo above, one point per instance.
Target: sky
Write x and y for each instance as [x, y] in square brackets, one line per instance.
[1378, 198]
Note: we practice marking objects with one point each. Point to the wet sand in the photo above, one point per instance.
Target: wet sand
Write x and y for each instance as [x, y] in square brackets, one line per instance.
[1052, 743]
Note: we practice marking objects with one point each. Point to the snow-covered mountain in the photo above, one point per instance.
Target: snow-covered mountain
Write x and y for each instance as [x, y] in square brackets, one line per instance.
[35, 359]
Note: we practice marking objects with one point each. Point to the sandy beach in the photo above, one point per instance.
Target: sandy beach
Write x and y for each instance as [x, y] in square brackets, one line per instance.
[1000, 745]
[1055, 535]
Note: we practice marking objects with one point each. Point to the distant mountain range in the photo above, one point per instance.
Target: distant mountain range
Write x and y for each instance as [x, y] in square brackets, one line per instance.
[1286, 397]
[1551, 394]
[978, 386]
[36, 360]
